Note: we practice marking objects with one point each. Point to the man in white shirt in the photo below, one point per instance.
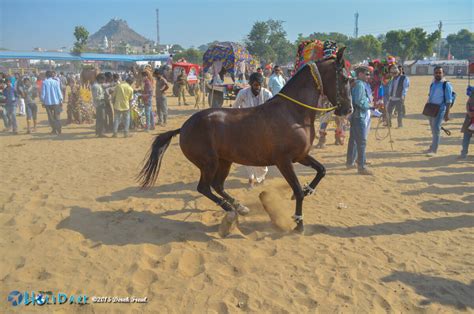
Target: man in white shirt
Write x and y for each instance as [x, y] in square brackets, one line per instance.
[397, 88]
[277, 81]
[253, 96]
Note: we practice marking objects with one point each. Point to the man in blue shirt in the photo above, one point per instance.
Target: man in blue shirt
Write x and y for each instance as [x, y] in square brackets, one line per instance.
[52, 99]
[277, 81]
[357, 137]
[441, 94]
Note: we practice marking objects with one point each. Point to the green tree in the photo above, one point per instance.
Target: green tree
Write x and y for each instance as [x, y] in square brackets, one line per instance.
[176, 49]
[191, 55]
[81, 34]
[204, 47]
[423, 43]
[461, 44]
[123, 48]
[413, 44]
[340, 39]
[393, 43]
[365, 47]
[267, 40]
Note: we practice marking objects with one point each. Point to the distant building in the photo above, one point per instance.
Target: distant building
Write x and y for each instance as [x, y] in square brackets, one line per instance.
[426, 67]
[147, 47]
[105, 44]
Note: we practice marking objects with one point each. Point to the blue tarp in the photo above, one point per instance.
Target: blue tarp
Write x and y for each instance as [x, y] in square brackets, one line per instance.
[66, 56]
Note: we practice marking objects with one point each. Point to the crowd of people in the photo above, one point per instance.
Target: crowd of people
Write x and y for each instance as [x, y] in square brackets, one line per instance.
[112, 95]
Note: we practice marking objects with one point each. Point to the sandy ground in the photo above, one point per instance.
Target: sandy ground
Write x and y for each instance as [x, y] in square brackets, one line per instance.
[73, 221]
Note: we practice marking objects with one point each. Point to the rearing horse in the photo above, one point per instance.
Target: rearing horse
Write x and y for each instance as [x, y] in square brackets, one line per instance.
[279, 132]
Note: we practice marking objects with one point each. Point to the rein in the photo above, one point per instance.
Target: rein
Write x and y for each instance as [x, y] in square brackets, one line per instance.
[319, 87]
[304, 105]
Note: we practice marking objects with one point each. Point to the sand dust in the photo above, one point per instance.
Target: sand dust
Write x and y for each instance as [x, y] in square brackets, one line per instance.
[72, 220]
[274, 205]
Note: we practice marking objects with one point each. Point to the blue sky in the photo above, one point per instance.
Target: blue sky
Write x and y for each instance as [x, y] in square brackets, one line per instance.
[25, 24]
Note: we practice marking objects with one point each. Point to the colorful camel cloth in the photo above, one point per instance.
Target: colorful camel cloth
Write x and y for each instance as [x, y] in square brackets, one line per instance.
[228, 54]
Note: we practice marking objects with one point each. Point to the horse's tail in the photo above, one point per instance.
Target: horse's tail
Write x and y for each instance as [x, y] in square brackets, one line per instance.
[151, 167]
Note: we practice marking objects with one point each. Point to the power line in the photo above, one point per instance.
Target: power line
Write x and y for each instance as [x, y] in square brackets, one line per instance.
[420, 24]
[433, 25]
[468, 23]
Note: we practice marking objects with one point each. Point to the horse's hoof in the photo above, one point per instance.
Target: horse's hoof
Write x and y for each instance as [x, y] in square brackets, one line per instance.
[299, 228]
[228, 223]
[242, 210]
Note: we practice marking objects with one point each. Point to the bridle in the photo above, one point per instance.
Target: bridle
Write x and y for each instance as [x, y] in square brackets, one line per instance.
[340, 69]
[319, 87]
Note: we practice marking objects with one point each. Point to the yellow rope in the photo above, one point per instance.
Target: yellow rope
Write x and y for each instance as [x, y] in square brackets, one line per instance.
[304, 105]
[318, 86]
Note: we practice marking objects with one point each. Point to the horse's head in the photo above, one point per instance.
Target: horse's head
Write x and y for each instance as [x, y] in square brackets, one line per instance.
[337, 83]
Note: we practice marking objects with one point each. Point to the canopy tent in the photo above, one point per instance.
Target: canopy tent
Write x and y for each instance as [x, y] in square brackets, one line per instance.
[67, 56]
[228, 55]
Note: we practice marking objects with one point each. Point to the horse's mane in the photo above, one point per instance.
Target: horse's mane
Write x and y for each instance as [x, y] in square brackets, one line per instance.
[299, 72]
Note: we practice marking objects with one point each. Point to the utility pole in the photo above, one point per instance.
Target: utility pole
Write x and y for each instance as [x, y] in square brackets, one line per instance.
[356, 26]
[157, 27]
[440, 27]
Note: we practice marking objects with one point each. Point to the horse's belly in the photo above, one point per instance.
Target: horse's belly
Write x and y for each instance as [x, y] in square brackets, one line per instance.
[246, 141]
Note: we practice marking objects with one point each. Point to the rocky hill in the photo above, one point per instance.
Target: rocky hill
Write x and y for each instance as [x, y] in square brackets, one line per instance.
[117, 30]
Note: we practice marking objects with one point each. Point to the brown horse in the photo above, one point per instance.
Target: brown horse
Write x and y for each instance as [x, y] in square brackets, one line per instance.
[280, 132]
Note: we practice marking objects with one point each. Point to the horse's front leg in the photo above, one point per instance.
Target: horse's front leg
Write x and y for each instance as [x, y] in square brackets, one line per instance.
[320, 173]
[288, 172]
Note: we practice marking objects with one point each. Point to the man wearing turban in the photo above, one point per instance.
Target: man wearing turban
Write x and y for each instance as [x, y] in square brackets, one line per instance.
[253, 96]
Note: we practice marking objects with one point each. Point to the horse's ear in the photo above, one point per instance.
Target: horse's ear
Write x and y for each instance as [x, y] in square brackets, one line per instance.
[340, 54]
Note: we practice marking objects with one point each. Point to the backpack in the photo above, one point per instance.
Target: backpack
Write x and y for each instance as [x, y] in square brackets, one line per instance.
[453, 94]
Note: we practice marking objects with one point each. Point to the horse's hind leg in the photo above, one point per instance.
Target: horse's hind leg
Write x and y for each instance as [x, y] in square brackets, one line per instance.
[320, 173]
[204, 187]
[218, 185]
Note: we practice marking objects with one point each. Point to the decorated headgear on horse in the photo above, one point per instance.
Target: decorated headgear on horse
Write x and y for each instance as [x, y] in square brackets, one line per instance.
[314, 50]
[256, 77]
[329, 49]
